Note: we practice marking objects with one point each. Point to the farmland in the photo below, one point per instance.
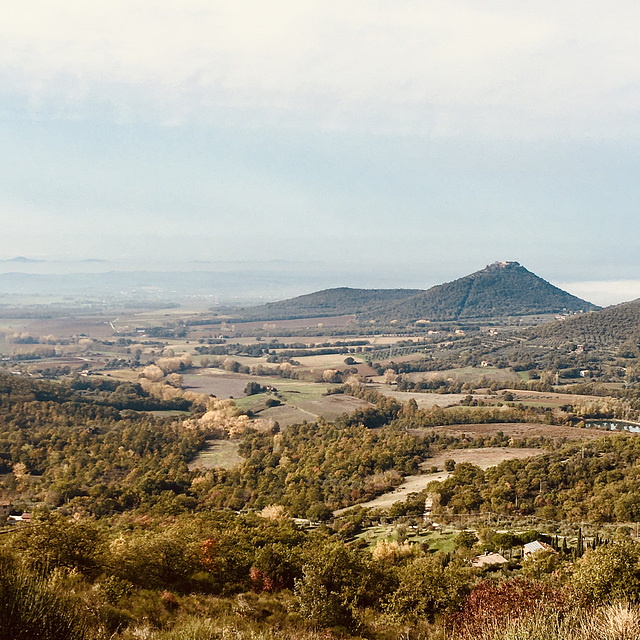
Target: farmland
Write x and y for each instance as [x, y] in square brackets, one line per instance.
[217, 433]
[518, 430]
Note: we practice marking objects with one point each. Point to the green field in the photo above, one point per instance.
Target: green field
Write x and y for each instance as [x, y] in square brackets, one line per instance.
[300, 401]
[437, 540]
[468, 374]
[218, 454]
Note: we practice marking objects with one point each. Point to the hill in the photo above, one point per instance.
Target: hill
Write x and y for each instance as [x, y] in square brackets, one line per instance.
[500, 289]
[609, 328]
[329, 302]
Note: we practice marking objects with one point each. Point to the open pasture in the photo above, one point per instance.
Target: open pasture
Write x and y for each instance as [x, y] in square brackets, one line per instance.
[278, 326]
[92, 326]
[429, 400]
[224, 384]
[218, 454]
[217, 383]
[301, 402]
[467, 374]
[517, 430]
[329, 361]
[484, 457]
[549, 398]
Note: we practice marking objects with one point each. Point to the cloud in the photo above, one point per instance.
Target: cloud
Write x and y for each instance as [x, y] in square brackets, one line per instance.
[438, 67]
[604, 292]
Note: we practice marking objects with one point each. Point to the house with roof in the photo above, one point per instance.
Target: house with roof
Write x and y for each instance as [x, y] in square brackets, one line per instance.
[533, 547]
[488, 559]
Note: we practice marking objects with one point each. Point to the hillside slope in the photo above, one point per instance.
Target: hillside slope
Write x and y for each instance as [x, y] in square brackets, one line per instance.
[611, 327]
[329, 302]
[500, 289]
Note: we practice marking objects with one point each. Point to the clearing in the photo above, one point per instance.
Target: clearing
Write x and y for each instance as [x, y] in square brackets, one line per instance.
[300, 400]
[484, 458]
[517, 430]
[218, 454]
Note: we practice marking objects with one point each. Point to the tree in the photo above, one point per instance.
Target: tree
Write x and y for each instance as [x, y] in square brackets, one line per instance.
[427, 588]
[253, 388]
[319, 512]
[56, 541]
[610, 572]
[333, 585]
[465, 540]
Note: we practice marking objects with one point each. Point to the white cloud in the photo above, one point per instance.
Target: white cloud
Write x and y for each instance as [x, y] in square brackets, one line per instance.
[443, 67]
[604, 292]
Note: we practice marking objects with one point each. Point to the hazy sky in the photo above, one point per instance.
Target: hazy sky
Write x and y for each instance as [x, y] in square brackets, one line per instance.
[431, 136]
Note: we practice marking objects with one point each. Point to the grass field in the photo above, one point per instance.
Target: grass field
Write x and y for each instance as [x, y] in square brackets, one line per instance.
[467, 374]
[443, 540]
[301, 401]
[517, 430]
[330, 361]
[549, 398]
[217, 383]
[429, 400]
[218, 454]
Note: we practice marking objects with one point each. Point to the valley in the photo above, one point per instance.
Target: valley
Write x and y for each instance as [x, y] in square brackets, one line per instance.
[237, 458]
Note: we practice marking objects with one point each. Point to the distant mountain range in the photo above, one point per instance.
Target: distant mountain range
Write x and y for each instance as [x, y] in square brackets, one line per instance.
[500, 289]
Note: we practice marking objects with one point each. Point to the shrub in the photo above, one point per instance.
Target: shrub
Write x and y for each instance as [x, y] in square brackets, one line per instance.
[32, 610]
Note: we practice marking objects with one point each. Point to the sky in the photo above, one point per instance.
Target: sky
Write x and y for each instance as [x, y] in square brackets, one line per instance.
[414, 141]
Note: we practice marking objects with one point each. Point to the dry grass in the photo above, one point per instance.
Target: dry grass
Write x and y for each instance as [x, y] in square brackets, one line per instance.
[428, 400]
[218, 454]
[619, 621]
[516, 430]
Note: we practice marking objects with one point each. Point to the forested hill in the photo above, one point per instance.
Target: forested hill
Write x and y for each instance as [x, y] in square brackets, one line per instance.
[611, 327]
[329, 302]
[500, 289]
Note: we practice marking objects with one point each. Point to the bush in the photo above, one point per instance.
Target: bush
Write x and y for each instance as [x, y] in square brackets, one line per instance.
[31, 610]
[610, 572]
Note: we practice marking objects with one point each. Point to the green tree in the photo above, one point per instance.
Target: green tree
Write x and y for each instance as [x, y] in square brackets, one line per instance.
[319, 512]
[333, 585]
[427, 588]
[610, 572]
[55, 541]
[465, 540]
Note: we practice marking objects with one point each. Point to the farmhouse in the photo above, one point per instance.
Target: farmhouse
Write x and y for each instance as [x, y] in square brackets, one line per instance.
[535, 546]
[488, 559]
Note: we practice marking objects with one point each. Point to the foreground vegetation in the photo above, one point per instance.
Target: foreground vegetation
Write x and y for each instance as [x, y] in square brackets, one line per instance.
[258, 576]
[127, 541]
